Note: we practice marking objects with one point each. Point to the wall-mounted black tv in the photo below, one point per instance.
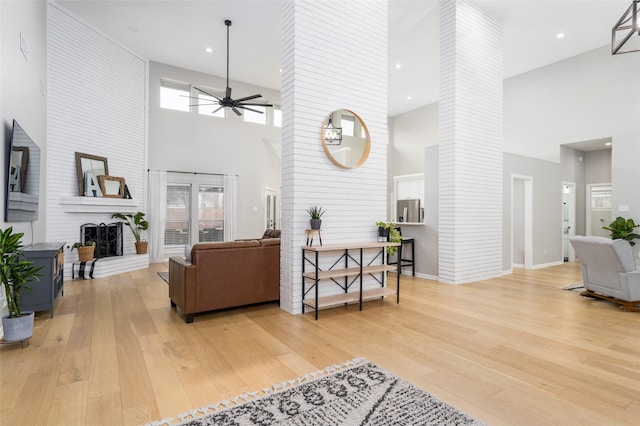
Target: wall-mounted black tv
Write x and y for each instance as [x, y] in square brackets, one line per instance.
[23, 177]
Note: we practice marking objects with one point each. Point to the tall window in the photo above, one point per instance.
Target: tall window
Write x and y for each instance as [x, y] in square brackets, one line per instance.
[255, 117]
[208, 104]
[195, 210]
[211, 213]
[277, 116]
[174, 95]
[177, 229]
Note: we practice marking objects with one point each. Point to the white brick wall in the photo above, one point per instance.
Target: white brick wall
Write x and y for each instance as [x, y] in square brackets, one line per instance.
[470, 189]
[330, 61]
[96, 104]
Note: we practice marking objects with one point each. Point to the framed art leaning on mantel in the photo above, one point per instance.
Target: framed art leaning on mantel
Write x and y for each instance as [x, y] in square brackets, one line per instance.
[111, 186]
[87, 163]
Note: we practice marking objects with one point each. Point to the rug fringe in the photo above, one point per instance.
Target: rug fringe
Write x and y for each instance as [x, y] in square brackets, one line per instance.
[248, 396]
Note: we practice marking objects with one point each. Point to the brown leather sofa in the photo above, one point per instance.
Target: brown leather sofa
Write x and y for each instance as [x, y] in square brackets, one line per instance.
[225, 275]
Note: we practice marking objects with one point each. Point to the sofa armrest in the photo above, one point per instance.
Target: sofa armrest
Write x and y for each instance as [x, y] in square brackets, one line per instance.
[182, 284]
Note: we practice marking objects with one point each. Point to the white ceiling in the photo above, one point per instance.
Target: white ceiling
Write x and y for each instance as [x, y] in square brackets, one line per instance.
[176, 32]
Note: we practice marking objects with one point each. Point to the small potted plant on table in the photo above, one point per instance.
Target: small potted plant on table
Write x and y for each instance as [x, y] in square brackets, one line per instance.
[16, 273]
[137, 224]
[316, 214]
[389, 231]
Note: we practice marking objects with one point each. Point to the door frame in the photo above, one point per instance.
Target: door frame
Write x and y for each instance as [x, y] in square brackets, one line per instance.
[528, 219]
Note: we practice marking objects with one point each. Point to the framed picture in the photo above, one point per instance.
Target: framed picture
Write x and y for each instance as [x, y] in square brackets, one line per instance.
[87, 163]
[111, 186]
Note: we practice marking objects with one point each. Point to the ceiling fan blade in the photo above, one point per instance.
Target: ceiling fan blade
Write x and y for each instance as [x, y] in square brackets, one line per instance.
[199, 105]
[236, 110]
[250, 109]
[207, 93]
[248, 98]
[218, 109]
[256, 104]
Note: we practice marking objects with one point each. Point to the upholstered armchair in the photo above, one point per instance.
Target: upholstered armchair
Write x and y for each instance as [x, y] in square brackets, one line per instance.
[609, 270]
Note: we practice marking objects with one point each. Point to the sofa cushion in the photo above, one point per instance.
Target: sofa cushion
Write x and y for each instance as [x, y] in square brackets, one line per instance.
[271, 233]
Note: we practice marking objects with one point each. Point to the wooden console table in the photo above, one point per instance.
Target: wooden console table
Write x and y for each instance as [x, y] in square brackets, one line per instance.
[351, 256]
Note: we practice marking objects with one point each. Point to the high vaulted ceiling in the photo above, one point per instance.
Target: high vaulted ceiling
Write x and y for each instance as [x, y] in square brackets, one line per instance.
[177, 32]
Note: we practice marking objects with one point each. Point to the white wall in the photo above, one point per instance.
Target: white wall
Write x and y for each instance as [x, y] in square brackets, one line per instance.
[586, 97]
[190, 142]
[97, 105]
[21, 99]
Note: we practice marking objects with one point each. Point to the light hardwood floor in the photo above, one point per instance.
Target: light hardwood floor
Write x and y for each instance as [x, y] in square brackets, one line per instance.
[515, 350]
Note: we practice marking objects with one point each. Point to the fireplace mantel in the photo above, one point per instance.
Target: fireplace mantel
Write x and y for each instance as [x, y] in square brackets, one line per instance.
[99, 205]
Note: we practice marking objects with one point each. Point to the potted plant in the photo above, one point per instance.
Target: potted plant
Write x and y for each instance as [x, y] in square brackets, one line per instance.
[137, 224]
[16, 273]
[85, 250]
[622, 228]
[390, 232]
[316, 214]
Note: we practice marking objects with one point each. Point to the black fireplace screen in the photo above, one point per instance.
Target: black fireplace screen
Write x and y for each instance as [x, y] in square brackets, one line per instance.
[108, 238]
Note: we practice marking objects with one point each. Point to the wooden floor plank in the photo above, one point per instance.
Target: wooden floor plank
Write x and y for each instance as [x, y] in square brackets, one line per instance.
[511, 350]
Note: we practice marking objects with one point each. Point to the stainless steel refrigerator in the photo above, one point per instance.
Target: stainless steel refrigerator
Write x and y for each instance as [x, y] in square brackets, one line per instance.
[408, 211]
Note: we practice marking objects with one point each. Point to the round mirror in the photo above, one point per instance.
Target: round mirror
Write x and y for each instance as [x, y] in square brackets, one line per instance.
[345, 139]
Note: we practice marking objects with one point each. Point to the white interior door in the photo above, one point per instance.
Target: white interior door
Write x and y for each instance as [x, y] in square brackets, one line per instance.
[598, 212]
[568, 220]
[272, 208]
[521, 221]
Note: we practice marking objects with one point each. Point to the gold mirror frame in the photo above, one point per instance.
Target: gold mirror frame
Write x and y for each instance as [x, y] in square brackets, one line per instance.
[330, 149]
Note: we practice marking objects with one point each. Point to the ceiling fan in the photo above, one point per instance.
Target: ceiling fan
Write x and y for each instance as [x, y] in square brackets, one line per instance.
[227, 101]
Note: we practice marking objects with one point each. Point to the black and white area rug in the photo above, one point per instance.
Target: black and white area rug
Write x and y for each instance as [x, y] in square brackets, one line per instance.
[164, 276]
[356, 392]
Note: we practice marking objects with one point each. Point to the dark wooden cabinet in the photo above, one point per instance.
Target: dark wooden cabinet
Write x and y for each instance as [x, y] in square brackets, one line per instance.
[44, 292]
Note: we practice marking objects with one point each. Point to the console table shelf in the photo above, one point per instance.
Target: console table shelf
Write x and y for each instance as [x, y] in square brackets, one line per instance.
[351, 256]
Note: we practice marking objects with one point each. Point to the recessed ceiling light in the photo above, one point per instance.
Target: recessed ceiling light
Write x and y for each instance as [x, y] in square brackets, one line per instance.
[398, 66]
[607, 144]
[560, 35]
[208, 50]
[409, 97]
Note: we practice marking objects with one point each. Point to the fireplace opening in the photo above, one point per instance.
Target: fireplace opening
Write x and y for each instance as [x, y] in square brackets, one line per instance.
[108, 238]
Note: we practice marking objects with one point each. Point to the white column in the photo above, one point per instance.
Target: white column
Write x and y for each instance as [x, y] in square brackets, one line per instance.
[334, 56]
[470, 156]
